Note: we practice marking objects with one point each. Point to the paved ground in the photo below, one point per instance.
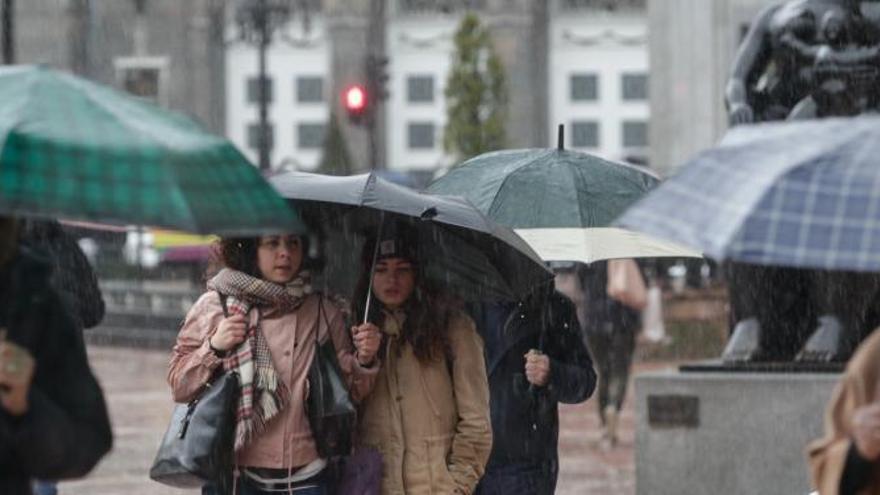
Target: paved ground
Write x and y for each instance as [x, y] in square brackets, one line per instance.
[140, 404]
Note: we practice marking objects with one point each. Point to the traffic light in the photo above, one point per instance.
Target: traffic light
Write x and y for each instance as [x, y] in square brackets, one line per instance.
[361, 101]
[355, 100]
[377, 76]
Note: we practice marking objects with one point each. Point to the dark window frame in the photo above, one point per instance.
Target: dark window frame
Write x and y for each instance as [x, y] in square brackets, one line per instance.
[410, 126]
[316, 145]
[590, 96]
[309, 79]
[576, 125]
[415, 78]
[628, 92]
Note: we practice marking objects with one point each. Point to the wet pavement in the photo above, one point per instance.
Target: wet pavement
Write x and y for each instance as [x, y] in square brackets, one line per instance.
[140, 405]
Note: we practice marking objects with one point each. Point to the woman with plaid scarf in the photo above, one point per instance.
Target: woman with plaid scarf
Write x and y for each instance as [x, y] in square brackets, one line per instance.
[261, 319]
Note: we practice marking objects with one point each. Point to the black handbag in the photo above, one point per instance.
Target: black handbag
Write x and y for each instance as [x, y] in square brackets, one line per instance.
[332, 415]
[199, 445]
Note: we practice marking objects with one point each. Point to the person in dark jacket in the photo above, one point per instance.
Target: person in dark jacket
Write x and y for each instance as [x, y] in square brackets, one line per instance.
[535, 358]
[73, 277]
[53, 420]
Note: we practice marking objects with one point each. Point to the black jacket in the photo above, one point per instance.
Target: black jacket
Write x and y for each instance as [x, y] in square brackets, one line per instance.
[66, 430]
[525, 419]
[72, 273]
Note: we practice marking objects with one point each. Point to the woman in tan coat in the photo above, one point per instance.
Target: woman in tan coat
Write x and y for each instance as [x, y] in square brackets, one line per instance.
[845, 460]
[261, 319]
[428, 413]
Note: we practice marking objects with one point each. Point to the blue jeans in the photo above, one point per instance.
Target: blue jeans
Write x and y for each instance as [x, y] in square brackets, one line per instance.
[244, 489]
[45, 488]
[519, 477]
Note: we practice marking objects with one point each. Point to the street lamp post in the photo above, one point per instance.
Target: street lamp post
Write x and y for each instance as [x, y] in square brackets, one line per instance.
[8, 20]
[257, 20]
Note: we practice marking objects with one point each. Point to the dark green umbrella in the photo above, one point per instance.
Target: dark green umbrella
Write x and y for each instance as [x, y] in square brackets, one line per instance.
[78, 150]
[547, 188]
[561, 202]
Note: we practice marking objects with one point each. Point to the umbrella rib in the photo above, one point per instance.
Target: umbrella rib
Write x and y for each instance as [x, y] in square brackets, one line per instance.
[491, 210]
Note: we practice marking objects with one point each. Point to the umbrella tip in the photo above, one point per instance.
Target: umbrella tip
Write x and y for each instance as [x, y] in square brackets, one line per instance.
[560, 138]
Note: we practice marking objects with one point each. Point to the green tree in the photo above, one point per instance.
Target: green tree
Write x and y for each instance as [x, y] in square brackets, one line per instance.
[335, 158]
[476, 94]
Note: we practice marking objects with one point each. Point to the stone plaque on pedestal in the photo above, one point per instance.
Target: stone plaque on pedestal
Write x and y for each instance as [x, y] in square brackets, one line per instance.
[727, 433]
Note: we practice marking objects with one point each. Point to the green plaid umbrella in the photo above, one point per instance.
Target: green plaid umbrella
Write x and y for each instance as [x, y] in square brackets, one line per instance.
[74, 149]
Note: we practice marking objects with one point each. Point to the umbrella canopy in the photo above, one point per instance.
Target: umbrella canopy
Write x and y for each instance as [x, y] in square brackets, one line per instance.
[595, 244]
[81, 151]
[794, 194]
[459, 246]
[558, 192]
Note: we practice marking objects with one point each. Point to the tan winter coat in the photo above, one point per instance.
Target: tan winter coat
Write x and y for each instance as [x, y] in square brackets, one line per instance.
[430, 422]
[857, 387]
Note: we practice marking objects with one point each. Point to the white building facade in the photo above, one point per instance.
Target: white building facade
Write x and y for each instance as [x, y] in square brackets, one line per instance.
[298, 74]
[596, 84]
[599, 82]
[420, 49]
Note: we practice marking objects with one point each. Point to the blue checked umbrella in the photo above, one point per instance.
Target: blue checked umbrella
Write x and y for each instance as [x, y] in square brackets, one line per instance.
[801, 194]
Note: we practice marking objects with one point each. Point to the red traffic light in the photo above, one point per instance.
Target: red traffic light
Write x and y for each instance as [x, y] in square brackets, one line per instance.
[355, 98]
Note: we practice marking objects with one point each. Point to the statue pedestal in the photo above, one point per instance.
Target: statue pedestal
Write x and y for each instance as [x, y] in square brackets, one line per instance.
[704, 432]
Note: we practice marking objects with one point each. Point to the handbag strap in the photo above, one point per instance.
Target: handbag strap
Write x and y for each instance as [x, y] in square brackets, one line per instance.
[322, 315]
[223, 305]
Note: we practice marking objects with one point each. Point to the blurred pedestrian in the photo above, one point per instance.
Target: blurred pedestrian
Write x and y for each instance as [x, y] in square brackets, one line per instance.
[614, 295]
[261, 318]
[73, 277]
[845, 460]
[535, 358]
[429, 413]
[53, 420]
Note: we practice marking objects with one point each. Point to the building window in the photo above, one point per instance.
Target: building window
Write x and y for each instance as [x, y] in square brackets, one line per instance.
[309, 136]
[420, 135]
[584, 87]
[310, 89]
[442, 6]
[143, 76]
[634, 87]
[253, 91]
[585, 134]
[635, 134]
[253, 136]
[420, 89]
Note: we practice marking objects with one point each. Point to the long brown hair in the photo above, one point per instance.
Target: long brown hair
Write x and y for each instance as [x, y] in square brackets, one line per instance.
[428, 314]
[239, 253]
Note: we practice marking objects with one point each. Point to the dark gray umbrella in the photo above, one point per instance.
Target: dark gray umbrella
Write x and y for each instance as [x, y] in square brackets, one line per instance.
[459, 247]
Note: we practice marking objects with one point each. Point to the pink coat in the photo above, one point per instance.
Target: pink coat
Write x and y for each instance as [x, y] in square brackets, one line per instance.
[287, 441]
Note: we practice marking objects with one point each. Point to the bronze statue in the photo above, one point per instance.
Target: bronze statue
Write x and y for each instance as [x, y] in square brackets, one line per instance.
[803, 59]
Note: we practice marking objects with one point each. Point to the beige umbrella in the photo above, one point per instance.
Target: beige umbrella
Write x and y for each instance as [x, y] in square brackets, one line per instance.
[587, 245]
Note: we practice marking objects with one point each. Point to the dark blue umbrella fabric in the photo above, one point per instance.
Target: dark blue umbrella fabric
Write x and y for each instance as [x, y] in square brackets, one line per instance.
[803, 194]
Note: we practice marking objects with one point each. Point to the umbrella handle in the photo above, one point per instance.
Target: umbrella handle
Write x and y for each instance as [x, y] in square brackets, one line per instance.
[373, 267]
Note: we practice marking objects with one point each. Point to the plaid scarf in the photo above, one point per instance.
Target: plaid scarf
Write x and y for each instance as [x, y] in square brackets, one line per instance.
[263, 394]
